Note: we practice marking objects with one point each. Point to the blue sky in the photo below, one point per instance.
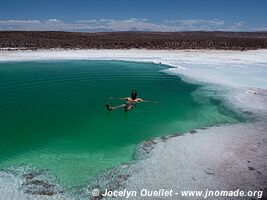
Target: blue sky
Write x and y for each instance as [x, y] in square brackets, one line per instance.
[123, 15]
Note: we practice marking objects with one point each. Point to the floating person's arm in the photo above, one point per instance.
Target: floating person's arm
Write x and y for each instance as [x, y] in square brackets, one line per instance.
[126, 98]
[141, 100]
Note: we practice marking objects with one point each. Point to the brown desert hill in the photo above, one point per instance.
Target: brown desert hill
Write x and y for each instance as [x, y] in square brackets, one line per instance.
[127, 40]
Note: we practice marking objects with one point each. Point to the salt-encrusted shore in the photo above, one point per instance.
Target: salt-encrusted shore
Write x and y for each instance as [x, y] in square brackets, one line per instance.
[217, 158]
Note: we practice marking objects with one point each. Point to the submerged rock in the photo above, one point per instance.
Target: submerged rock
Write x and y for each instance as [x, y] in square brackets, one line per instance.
[34, 181]
[113, 179]
[193, 131]
[143, 149]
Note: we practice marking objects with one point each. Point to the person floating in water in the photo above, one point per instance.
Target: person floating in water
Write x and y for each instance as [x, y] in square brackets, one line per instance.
[130, 102]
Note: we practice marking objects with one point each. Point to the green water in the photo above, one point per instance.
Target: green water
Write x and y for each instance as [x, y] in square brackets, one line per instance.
[52, 114]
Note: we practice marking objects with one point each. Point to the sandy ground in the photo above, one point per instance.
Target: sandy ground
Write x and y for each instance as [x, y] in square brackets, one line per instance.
[217, 158]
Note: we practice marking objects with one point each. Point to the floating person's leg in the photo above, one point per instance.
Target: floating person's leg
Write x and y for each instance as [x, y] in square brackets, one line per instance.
[113, 108]
[128, 107]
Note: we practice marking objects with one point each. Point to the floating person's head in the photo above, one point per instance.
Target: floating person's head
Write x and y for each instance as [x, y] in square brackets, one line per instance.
[134, 94]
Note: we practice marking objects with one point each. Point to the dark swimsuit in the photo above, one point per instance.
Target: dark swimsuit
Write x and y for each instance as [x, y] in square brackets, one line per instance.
[129, 104]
